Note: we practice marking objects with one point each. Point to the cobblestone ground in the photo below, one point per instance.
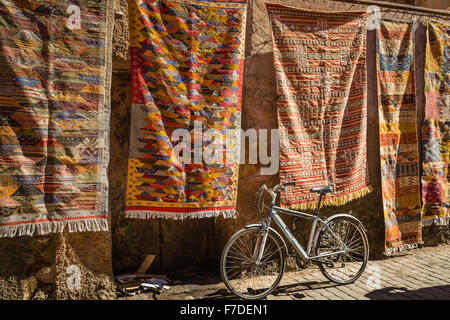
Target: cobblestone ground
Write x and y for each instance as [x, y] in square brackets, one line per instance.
[419, 274]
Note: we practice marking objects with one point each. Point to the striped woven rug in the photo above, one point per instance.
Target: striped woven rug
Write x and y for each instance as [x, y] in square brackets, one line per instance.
[320, 63]
[398, 136]
[54, 116]
[186, 65]
[436, 127]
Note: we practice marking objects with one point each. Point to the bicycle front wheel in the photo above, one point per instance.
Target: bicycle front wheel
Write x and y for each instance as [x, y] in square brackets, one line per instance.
[347, 267]
[242, 273]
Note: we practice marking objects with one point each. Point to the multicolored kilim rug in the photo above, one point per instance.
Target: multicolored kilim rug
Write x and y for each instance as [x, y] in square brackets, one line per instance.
[320, 63]
[187, 65]
[398, 136]
[435, 129]
[54, 117]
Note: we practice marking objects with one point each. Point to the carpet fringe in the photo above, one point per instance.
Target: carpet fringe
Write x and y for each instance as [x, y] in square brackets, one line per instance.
[338, 201]
[227, 214]
[42, 228]
[408, 246]
[437, 221]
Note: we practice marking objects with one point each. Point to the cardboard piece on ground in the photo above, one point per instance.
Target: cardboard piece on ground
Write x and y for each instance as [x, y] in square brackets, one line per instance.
[123, 278]
[146, 264]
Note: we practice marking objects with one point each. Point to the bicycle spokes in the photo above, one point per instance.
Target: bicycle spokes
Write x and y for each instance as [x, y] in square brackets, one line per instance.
[248, 270]
[344, 267]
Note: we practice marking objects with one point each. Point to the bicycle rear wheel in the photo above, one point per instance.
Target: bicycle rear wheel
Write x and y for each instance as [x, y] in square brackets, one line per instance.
[242, 274]
[347, 267]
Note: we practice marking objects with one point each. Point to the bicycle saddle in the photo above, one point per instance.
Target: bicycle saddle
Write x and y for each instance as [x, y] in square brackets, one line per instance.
[322, 190]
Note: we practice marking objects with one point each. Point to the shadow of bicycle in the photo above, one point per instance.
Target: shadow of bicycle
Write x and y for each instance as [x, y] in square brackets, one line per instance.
[293, 290]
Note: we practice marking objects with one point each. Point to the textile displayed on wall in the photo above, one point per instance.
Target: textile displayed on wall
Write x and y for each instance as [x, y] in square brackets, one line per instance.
[187, 65]
[320, 64]
[398, 136]
[54, 117]
[435, 129]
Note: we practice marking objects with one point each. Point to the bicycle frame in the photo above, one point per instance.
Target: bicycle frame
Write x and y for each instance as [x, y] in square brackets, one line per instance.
[312, 237]
[273, 214]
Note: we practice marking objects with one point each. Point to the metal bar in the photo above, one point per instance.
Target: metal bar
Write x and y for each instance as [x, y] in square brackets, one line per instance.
[391, 5]
[285, 230]
[262, 245]
[311, 236]
[294, 213]
[328, 254]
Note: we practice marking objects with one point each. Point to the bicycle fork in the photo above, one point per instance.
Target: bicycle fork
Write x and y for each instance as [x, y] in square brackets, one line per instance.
[259, 247]
[261, 243]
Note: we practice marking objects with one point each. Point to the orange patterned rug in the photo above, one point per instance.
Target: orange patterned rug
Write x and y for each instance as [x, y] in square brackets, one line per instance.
[54, 117]
[436, 127]
[187, 65]
[398, 136]
[320, 64]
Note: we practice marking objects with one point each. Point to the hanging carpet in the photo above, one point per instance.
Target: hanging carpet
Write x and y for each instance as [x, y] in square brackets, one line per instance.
[186, 65]
[320, 65]
[54, 116]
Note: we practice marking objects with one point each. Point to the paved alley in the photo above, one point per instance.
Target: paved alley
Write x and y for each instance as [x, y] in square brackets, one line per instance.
[419, 274]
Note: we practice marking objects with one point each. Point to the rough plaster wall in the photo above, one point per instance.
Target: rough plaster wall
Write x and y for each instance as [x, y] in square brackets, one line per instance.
[91, 252]
[20, 259]
[35, 268]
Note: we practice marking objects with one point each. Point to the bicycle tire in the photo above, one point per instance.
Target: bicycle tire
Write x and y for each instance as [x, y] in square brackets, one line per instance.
[357, 255]
[279, 243]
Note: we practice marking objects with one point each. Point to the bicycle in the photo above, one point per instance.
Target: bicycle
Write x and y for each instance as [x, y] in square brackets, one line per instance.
[253, 260]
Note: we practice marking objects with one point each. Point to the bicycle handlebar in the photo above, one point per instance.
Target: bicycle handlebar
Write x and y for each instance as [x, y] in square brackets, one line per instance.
[274, 191]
